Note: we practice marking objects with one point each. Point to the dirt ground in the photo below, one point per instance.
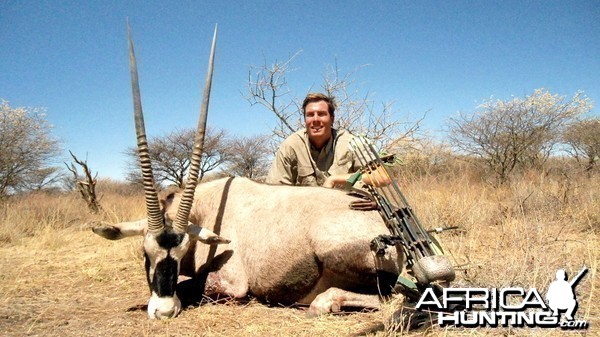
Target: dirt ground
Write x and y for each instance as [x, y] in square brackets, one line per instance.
[73, 283]
[76, 284]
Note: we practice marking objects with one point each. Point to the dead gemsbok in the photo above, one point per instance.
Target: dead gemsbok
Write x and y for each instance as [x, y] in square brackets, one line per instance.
[285, 244]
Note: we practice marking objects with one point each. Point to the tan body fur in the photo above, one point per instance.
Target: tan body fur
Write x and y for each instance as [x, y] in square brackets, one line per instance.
[288, 244]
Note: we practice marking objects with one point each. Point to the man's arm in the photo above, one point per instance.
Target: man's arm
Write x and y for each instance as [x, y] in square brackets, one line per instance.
[337, 180]
[283, 170]
[376, 178]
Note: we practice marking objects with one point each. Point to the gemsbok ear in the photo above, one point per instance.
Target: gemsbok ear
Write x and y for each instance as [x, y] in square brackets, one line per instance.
[205, 236]
[121, 230]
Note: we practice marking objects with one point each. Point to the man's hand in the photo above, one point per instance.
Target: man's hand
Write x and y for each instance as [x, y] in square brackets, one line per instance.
[338, 180]
[363, 204]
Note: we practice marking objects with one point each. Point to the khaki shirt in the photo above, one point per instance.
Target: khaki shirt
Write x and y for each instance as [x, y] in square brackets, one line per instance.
[297, 162]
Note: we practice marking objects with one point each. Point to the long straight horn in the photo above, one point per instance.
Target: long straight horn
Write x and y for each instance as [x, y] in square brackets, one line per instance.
[155, 218]
[187, 199]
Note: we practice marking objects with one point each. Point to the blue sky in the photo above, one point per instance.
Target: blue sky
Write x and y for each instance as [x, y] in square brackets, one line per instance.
[437, 56]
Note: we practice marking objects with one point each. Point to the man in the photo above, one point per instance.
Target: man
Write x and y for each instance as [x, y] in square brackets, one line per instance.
[318, 155]
[310, 156]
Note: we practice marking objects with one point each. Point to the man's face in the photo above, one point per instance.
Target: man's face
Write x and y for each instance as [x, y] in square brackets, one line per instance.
[318, 123]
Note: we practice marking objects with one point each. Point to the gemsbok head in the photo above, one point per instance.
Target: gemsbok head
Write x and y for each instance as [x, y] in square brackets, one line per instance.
[166, 242]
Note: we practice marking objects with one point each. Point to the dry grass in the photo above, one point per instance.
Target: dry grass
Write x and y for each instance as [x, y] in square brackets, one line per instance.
[58, 279]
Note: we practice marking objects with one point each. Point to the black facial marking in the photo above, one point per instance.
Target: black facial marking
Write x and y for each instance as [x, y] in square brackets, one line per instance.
[165, 277]
[169, 239]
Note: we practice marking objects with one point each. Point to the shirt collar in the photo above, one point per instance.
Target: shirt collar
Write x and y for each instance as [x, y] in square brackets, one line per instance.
[327, 148]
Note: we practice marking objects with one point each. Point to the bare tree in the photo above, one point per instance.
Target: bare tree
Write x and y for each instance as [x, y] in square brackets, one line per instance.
[170, 155]
[44, 178]
[518, 132]
[267, 86]
[86, 183]
[583, 138]
[26, 146]
[357, 112]
[249, 157]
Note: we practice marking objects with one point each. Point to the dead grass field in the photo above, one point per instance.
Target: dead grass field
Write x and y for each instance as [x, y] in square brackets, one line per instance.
[58, 279]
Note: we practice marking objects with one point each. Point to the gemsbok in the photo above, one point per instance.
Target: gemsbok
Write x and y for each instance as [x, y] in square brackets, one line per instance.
[280, 244]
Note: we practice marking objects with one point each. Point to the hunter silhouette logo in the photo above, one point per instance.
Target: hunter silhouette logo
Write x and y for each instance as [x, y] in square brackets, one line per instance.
[561, 293]
[508, 307]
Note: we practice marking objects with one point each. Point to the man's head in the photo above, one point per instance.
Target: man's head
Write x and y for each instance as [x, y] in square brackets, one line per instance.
[319, 112]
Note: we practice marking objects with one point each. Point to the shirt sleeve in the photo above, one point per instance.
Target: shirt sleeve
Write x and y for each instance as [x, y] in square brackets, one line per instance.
[284, 169]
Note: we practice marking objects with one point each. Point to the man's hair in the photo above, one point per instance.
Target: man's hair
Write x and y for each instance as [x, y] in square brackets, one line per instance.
[317, 97]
